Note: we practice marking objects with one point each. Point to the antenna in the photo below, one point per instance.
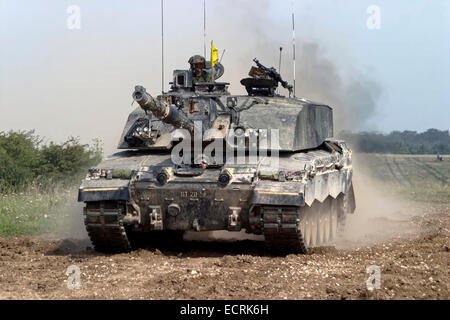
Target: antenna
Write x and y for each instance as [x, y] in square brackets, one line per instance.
[162, 46]
[223, 52]
[279, 61]
[293, 42]
[204, 28]
[279, 66]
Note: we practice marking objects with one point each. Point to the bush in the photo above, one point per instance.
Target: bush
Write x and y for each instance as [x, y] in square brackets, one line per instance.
[25, 160]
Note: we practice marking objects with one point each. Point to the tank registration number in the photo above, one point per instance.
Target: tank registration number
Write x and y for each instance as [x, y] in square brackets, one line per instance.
[189, 194]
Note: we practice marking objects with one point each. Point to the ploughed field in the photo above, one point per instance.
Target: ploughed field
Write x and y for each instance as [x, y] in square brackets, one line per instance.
[401, 225]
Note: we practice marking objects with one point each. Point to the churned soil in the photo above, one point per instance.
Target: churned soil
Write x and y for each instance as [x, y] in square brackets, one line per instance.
[413, 265]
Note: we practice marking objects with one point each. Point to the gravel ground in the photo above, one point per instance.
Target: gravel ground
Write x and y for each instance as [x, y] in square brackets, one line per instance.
[412, 254]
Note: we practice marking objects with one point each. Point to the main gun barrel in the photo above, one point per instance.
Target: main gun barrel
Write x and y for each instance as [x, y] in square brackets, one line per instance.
[165, 112]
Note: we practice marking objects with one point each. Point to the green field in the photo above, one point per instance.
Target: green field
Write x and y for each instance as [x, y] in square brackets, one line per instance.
[414, 177]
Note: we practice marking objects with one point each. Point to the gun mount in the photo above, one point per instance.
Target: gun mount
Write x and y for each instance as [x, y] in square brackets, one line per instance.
[264, 81]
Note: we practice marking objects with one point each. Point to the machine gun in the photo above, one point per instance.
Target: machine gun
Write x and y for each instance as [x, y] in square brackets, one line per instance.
[271, 73]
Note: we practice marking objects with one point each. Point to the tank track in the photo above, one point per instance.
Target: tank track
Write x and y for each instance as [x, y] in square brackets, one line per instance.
[296, 230]
[285, 229]
[281, 230]
[103, 221]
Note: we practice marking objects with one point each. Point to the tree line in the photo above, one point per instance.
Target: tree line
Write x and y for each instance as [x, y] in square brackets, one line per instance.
[432, 141]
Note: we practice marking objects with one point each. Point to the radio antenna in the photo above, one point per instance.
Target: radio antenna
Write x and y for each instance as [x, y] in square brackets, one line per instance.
[279, 65]
[204, 29]
[293, 42]
[279, 61]
[223, 52]
[162, 46]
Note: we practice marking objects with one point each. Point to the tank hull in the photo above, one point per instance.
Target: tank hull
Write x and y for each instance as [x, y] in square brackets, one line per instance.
[260, 203]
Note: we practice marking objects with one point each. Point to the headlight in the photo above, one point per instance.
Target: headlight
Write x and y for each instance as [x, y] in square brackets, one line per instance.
[225, 177]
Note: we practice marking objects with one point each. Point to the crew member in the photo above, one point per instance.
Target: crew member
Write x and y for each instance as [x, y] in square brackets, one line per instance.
[198, 68]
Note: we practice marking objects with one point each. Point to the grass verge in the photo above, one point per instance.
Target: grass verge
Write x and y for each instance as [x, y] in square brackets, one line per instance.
[33, 212]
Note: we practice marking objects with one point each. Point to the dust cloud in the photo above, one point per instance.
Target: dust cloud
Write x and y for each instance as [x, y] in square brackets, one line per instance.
[73, 226]
[68, 219]
[354, 97]
[380, 216]
[353, 94]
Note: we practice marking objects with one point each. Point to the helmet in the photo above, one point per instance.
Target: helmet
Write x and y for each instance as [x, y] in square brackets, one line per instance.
[197, 61]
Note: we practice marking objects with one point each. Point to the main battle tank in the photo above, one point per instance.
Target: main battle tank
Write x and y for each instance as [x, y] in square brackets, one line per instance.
[200, 159]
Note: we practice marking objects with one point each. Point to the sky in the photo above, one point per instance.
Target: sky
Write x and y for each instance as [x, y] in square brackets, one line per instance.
[65, 81]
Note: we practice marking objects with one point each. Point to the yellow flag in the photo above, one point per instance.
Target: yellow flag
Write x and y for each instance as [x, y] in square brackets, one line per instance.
[214, 54]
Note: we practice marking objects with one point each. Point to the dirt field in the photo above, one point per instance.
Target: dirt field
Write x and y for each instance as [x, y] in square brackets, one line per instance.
[408, 241]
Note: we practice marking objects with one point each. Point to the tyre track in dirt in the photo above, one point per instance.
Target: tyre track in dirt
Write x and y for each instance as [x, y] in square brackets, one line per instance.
[395, 176]
[438, 173]
[402, 173]
[432, 171]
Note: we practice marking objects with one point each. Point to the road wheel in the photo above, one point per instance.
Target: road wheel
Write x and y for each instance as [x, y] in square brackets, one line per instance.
[341, 213]
[313, 218]
[333, 219]
[306, 225]
[326, 217]
[321, 224]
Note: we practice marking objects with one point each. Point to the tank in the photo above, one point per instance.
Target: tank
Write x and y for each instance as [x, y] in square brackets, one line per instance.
[197, 158]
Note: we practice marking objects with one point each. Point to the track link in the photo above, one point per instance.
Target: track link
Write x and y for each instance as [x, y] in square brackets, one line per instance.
[103, 221]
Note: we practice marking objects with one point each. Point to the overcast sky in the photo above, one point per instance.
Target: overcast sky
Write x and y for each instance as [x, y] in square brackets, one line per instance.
[78, 82]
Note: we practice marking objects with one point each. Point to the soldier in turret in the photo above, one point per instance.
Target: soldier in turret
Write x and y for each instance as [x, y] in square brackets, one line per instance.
[198, 68]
